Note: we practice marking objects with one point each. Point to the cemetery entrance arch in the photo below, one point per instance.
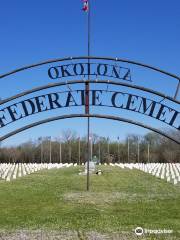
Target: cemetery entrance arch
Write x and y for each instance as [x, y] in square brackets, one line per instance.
[123, 90]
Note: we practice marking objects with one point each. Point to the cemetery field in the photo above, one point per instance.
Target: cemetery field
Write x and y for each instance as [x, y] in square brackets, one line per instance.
[119, 201]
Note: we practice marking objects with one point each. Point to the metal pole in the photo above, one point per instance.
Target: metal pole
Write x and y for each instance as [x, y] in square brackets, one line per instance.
[69, 151]
[138, 150]
[108, 147]
[41, 150]
[99, 152]
[128, 150]
[91, 147]
[177, 91]
[148, 152]
[118, 152]
[87, 96]
[50, 151]
[79, 151]
[60, 152]
[88, 155]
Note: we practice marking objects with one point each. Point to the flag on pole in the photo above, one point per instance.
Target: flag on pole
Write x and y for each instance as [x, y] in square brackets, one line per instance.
[85, 6]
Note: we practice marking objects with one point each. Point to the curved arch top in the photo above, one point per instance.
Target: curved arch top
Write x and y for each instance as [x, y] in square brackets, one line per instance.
[91, 57]
[75, 81]
[59, 84]
[97, 58]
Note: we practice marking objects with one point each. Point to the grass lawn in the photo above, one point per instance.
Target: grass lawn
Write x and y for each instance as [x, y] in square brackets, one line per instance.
[119, 201]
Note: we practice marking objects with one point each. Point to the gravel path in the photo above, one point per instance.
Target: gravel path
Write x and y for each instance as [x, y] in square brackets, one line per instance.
[74, 235]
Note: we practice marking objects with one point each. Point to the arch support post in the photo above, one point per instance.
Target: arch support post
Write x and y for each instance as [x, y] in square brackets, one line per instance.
[177, 90]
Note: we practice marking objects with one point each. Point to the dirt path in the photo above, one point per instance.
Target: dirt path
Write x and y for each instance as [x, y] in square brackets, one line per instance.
[74, 235]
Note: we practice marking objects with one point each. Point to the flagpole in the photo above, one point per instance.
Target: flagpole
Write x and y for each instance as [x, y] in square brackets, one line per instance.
[87, 95]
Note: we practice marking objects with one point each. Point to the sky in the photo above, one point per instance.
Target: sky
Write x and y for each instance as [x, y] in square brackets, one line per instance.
[35, 31]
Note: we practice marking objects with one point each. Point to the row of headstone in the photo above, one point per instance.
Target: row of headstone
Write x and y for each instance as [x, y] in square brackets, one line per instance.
[10, 172]
[167, 171]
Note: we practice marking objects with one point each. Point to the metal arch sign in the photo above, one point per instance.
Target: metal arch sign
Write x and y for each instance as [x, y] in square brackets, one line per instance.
[115, 99]
[89, 69]
[102, 72]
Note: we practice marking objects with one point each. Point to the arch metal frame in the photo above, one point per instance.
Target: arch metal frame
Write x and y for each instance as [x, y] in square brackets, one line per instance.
[111, 82]
[57, 84]
[47, 120]
[97, 58]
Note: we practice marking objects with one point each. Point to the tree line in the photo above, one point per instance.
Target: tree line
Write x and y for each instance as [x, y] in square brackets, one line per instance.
[70, 148]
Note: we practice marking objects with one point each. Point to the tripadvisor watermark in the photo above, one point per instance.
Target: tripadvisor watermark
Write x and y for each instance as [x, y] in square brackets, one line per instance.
[139, 231]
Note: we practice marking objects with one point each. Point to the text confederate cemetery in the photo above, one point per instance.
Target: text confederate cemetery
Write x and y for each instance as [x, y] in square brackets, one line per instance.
[119, 100]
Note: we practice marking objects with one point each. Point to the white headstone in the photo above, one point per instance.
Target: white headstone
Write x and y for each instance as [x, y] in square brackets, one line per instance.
[92, 167]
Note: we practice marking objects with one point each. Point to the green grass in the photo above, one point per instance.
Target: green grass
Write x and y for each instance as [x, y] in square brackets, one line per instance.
[119, 200]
